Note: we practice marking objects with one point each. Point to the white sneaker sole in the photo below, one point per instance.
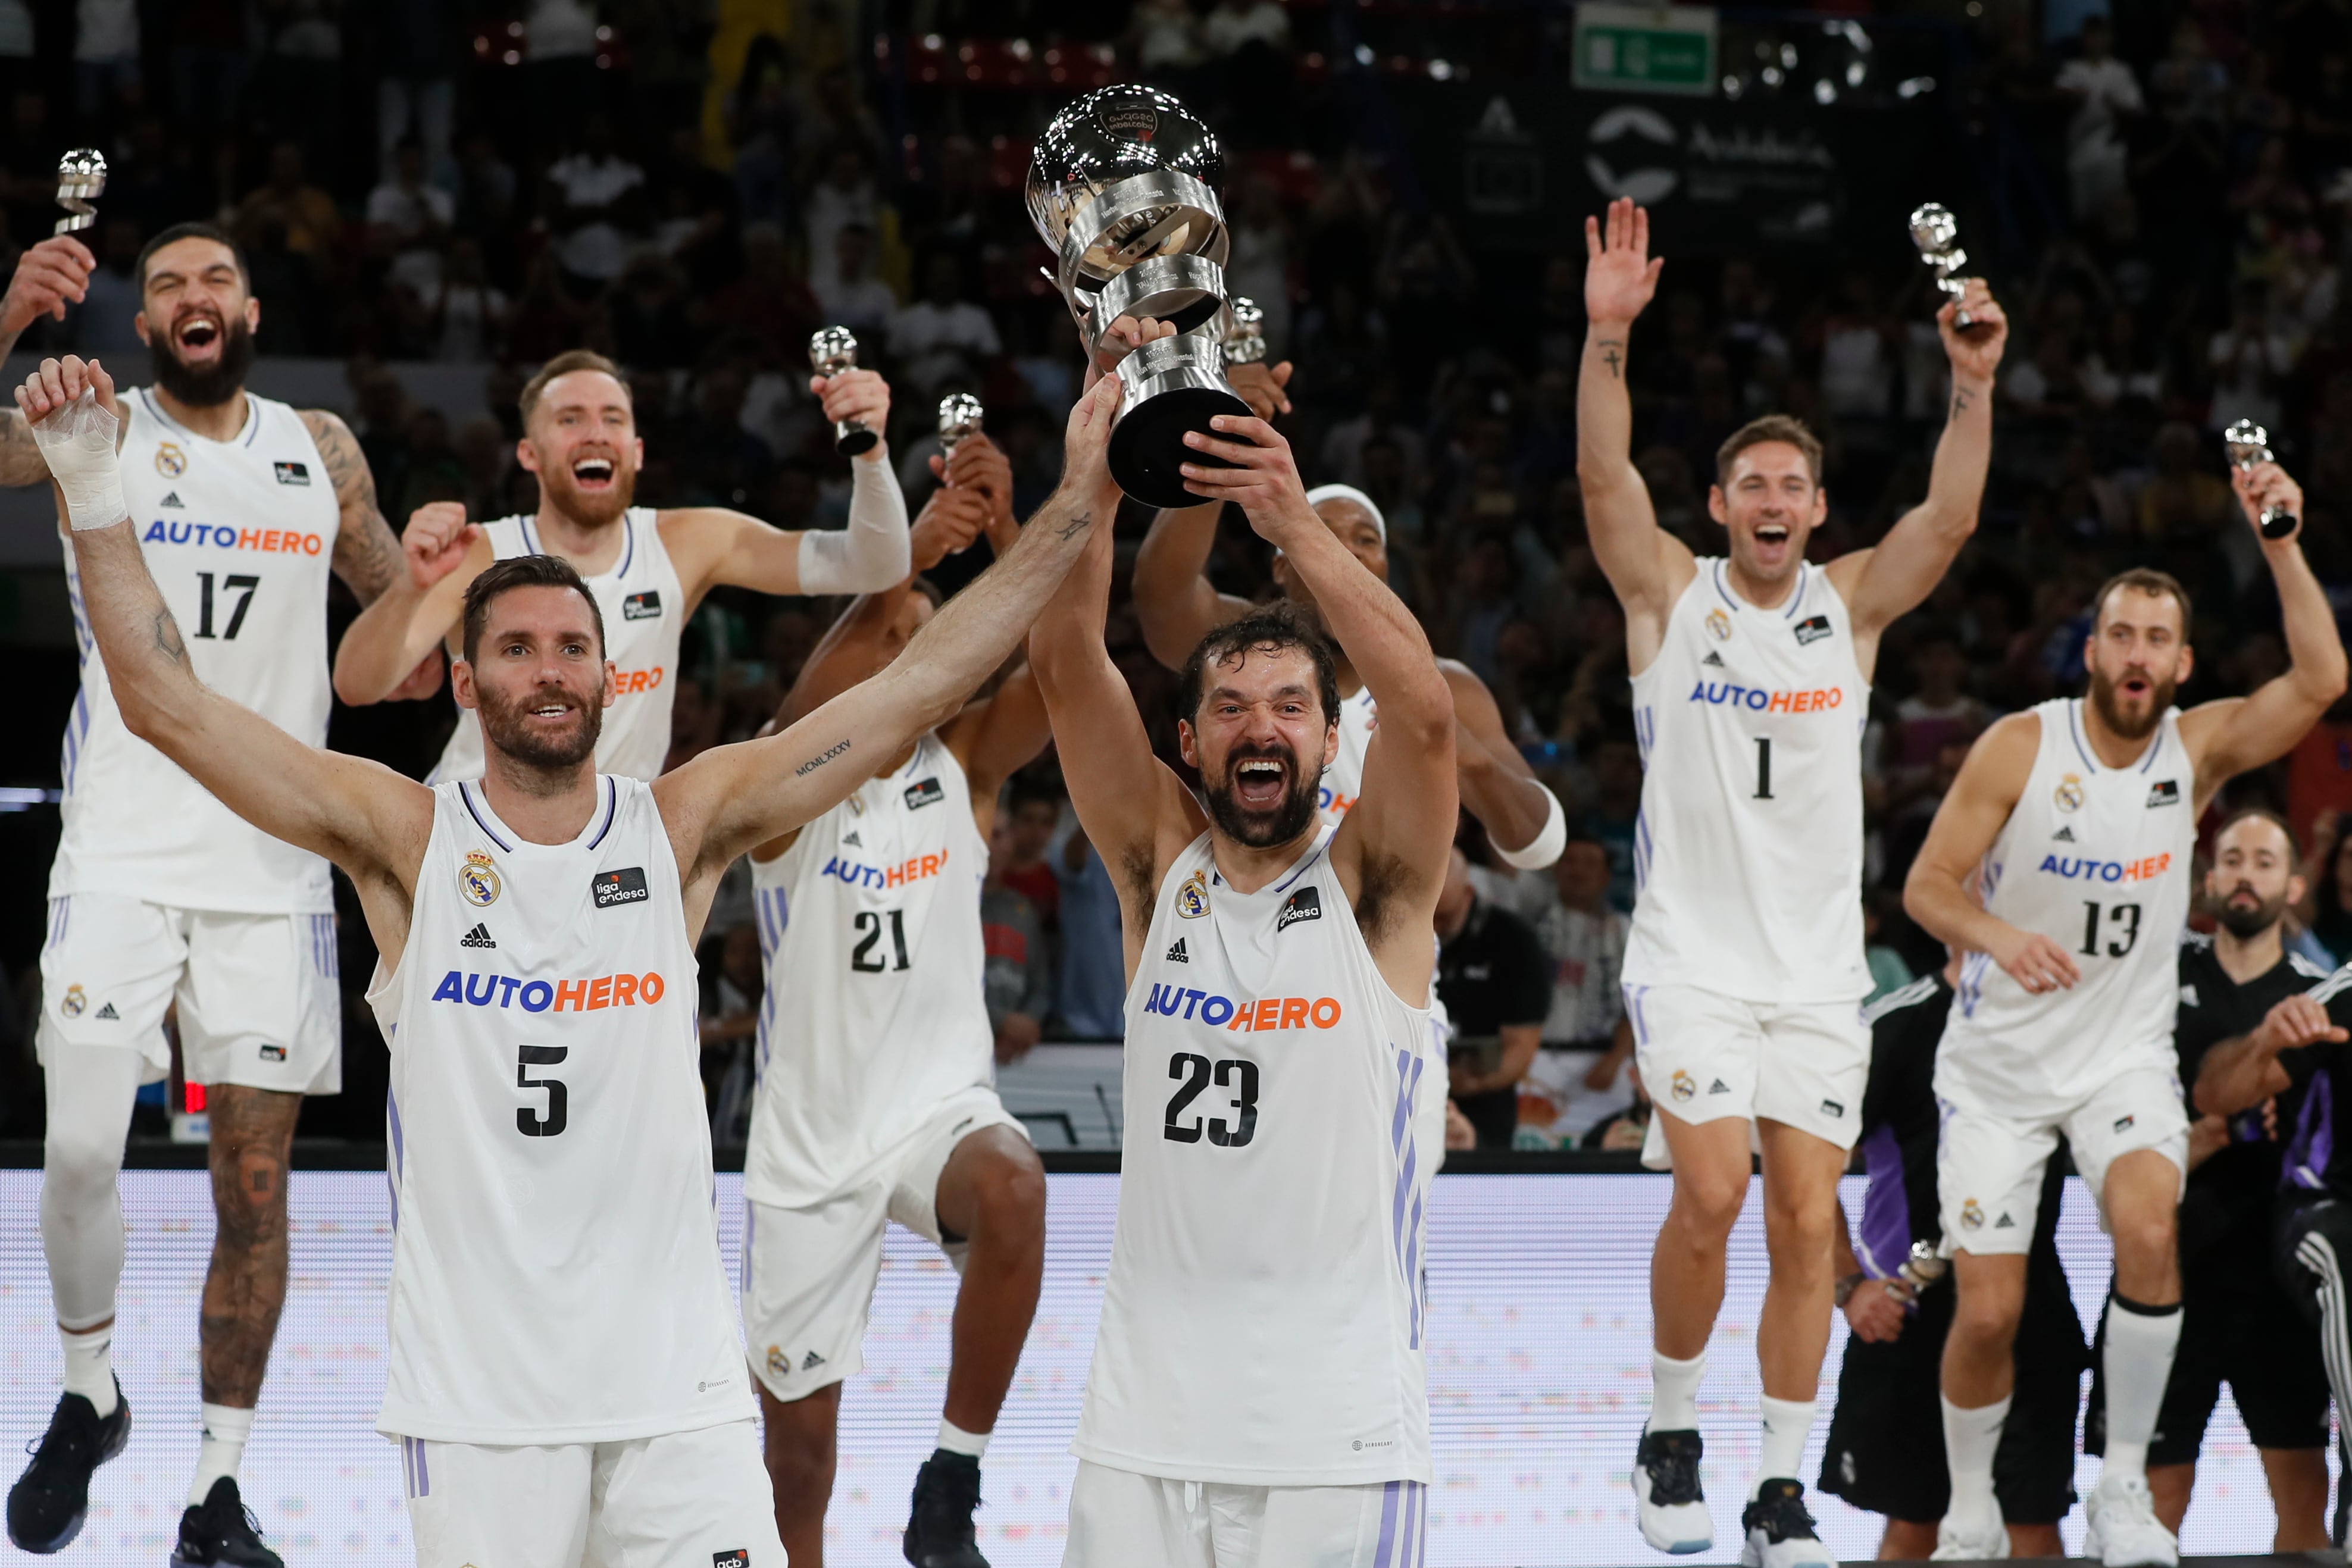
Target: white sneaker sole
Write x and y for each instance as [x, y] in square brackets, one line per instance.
[1669, 1530]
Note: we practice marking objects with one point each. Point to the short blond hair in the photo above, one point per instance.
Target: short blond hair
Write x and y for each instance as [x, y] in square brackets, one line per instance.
[564, 364]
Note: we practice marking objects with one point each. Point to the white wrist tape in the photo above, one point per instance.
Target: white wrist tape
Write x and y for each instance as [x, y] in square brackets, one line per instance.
[77, 444]
[1548, 843]
[872, 553]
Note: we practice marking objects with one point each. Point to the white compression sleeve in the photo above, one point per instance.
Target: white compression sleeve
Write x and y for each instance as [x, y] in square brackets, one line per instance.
[872, 553]
[77, 442]
[89, 1090]
[1548, 842]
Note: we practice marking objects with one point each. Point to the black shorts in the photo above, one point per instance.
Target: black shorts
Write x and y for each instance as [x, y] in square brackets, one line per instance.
[1886, 1451]
[2238, 1326]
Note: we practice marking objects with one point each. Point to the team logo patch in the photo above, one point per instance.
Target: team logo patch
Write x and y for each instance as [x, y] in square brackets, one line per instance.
[739, 1558]
[645, 606]
[74, 1003]
[924, 792]
[273, 1054]
[1192, 898]
[2069, 794]
[2123, 1123]
[1813, 629]
[779, 1363]
[1306, 904]
[1971, 1216]
[2166, 792]
[1719, 625]
[170, 461]
[1685, 1086]
[1831, 1108]
[291, 472]
[477, 880]
[626, 885]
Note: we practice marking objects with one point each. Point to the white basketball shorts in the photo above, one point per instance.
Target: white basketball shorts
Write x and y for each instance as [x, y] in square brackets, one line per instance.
[1703, 1056]
[685, 1500]
[259, 1000]
[809, 1273]
[1989, 1166]
[1122, 1519]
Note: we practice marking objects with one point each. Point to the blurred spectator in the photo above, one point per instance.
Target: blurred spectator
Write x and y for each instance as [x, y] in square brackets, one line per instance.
[289, 203]
[732, 991]
[1019, 969]
[2106, 94]
[1033, 810]
[597, 202]
[855, 297]
[1584, 939]
[413, 217]
[106, 53]
[942, 334]
[1616, 800]
[416, 96]
[1092, 998]
[846, 195]
[2326, 908]
[469, 314]
[103, 322]
[1497, 985]
[18, 41]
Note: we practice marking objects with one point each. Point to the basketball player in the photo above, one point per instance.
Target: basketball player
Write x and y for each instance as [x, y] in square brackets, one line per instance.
[2081, 813]
[1258, 1389]
[2238, 1323]
[1744, 972]
[876, 1099]
[160, 895]
[563, 1372]
[648, 569]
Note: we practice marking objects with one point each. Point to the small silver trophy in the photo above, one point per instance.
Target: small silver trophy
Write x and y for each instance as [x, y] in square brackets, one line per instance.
[2249, 444]
[832, 349]
[1245, 339]
[960, 414]
[1937, 234]
[81, 180]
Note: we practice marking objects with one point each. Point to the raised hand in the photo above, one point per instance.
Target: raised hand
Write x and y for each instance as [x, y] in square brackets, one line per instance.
[2296, 1022]
[1620, 277]
[56, 382]
[1975, 350]
[436, 542]
[49, 276]
[2263, 486]
[947, 523]
[979, 465]
[858, 395]
[1263, 479]
[1085, 444]
[1262, 386]
[419, 683]
[1126, 334]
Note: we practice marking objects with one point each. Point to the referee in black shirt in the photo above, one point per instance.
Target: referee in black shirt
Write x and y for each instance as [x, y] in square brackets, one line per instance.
[1496, 981]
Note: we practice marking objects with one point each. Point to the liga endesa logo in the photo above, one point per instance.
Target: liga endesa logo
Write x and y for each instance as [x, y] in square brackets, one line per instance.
[1248, 1017]
[479, 990]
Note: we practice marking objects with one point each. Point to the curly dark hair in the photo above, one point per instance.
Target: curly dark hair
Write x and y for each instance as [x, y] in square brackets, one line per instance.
[1272, 629]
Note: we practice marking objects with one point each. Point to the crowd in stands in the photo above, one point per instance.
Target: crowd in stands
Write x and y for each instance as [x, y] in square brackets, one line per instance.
[692, 188]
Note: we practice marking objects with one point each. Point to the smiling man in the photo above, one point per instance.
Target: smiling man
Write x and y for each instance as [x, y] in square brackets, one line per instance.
[647, 569]
[1744, 974]
[2082, 814]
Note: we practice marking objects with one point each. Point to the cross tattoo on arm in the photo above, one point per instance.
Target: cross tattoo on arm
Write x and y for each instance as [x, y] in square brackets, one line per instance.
[1610, 355]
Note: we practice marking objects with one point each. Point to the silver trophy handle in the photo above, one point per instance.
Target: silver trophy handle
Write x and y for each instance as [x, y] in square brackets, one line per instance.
[832, 349]
[1937, 234]
[2249, 445]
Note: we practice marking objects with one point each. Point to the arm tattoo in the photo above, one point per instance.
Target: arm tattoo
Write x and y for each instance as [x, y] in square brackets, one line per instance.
[814, 763]
[1959, 401]
[1611, 358]
[367, 555]
[167, 639]
[1078, 525]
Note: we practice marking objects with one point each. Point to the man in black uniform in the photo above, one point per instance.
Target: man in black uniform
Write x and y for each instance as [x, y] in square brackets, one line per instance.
[2239, 1325]
[1885, 1450]
[1496, 982]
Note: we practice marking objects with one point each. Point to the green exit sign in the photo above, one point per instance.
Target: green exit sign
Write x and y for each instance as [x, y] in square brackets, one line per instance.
[1646, 49]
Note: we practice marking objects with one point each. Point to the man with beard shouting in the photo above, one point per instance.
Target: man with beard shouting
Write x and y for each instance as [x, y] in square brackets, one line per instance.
[564, 1372]
[648, 569]
[1258, 1390]
[161, 893]
[2081, 813]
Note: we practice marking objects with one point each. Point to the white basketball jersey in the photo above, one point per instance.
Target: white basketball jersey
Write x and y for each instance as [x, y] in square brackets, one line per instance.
[875, 1011]
[1747, 850]
[1344, 779]
[2097, 859]
[645, 616]
[239, 536]
[1262, 1322]
[555, 1269]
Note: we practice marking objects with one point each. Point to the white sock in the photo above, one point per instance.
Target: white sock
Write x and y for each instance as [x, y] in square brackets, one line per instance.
[956, 1440]
[1674, 1392]
[2140, 1343]
[1970, 1439]
[1786, 1424]
[226, 1430]
[90, 1366]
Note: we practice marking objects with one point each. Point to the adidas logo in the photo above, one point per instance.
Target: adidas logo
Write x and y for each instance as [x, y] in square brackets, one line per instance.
[852, 837]
[479, 936]
[2004, 1223]
[1713, 660]
[1176, 954]
[812, 1359]
[171, 498]
[1719, 1087]
[108, 1012]
[2063, 836]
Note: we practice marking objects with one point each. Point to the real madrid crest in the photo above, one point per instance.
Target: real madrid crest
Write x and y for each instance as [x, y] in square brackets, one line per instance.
[1685, 1085]
[1719, 625]
[1971, 1216]
[1192, 898]
[477, 879]
[2069, 794]
[75, 1001]
[170, 461]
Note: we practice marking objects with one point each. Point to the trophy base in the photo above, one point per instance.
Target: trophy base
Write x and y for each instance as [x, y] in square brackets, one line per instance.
[852, 439]
[1147, 441]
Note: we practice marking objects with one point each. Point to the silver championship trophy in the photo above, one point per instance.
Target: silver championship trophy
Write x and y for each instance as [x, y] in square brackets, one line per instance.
[832, 349]
[1124, 187]
[1937, 234]
[81, 180]
[1245, 339]
[960, 414]
[2248, 444]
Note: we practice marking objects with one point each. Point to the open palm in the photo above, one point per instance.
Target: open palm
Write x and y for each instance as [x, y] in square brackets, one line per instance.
[1619, 275]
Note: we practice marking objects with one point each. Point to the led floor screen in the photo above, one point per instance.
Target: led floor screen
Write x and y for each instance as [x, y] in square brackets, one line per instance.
[1537, 1371]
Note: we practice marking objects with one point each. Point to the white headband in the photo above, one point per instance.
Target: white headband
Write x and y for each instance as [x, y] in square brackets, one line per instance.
[1322, 493]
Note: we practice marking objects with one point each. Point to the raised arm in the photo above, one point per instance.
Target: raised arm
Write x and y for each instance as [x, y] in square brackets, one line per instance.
[1522, 818]
[2229, 737]
[1174, 603]
[1882, 584]
[362, 816]
[441, 554]
[2241, 1073]
[367, 557]
[1646, 565]
[734, 797]
[49, 276]
[1937, 893]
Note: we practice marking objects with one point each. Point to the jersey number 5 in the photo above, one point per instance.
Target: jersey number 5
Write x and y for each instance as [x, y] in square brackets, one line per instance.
[532, 1123]
[1196, 1072]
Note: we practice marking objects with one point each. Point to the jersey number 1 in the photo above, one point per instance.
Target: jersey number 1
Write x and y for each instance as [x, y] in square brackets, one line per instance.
[1763, 767]
[239, 581]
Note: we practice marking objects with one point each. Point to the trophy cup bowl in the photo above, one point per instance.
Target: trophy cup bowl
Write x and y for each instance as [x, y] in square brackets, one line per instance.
[2249, 444]
[1246, 335]
[1937, 234]
[832, 349]
[960, 414]
[81, 180]
[1124, 187]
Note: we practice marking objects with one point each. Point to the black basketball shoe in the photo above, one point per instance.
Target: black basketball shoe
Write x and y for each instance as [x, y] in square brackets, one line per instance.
[51, 1499]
